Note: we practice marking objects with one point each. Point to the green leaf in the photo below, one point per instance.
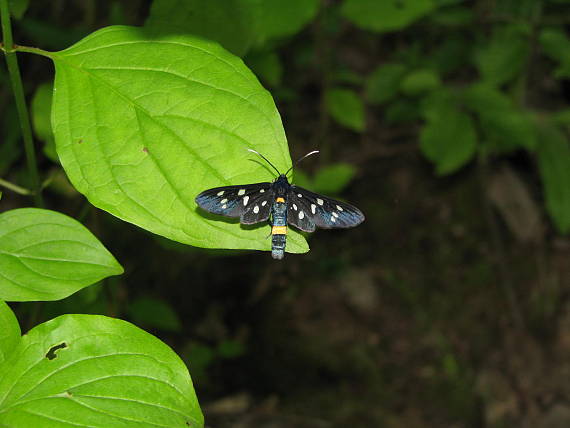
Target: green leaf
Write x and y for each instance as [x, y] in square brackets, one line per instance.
[267, 66]
[18, 7]
[90, 370]
[346, 107]
[506, 127]
[230, 349]
[503, 58]
[332, 179]
[154, 313]
[420, 81]
[284, 18]
[384, 16]
[554, 165]
[454, 16]
[557, 46]
[448, 139]
[41, 119]
[384, 82]
[238, 25]
[9, 333]
[143, 125]
[45, 255]
[232, 24]
[402, 111]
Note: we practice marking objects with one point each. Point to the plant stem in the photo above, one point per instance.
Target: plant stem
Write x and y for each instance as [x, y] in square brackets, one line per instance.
[18, 90]
[14, 187]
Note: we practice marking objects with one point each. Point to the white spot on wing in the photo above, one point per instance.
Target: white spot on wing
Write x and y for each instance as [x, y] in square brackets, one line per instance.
[262, 190]
[220, 193]
[313, 208]
[301, 215]
[320, 201]
[241, 192]
[223, 201]
[335, 214]
[245, 199]
[299, 195]
[263, 203]
[333, 219]
[224, 206]
[338, 207]
[295, 207]
[256, 209]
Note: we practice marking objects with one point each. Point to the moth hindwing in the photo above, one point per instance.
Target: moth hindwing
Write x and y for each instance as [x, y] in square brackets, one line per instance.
[308, 210]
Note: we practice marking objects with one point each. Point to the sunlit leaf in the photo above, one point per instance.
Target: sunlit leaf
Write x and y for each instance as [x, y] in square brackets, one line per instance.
[90, 370]
[554, 165]
[45, 255]
[346, 107]
[385, 16]
[9, 332]
[144, 124]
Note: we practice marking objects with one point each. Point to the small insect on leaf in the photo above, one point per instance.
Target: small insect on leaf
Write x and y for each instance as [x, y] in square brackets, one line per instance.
[281, 203]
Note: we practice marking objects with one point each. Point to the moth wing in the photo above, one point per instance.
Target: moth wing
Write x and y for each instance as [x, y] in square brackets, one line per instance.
[229, 200]
[325, 212]
[257, 206]
[299, 212]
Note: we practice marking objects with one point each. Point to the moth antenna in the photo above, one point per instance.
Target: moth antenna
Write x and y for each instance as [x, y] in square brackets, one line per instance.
[266, 160]
[300, 159]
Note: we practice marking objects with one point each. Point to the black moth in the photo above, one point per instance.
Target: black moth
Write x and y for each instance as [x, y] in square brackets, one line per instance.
[282, 203]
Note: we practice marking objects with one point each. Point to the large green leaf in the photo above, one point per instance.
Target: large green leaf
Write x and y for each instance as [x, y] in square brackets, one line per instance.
[9, 332]
[94, 371]
[144, 124]
[45, 255]
[238, 25]
[554, 164]
[386, 15]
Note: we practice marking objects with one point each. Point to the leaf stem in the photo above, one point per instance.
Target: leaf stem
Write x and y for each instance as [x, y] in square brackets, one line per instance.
[14, 187]
[22, 108]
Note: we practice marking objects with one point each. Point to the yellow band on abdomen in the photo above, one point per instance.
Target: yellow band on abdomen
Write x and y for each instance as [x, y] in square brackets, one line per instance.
[279, 230]
[279, 200]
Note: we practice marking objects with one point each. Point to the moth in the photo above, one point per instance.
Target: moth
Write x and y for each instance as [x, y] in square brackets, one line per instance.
[282, 204]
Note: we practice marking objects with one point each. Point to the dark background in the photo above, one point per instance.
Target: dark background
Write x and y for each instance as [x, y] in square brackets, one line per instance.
[448, 307]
